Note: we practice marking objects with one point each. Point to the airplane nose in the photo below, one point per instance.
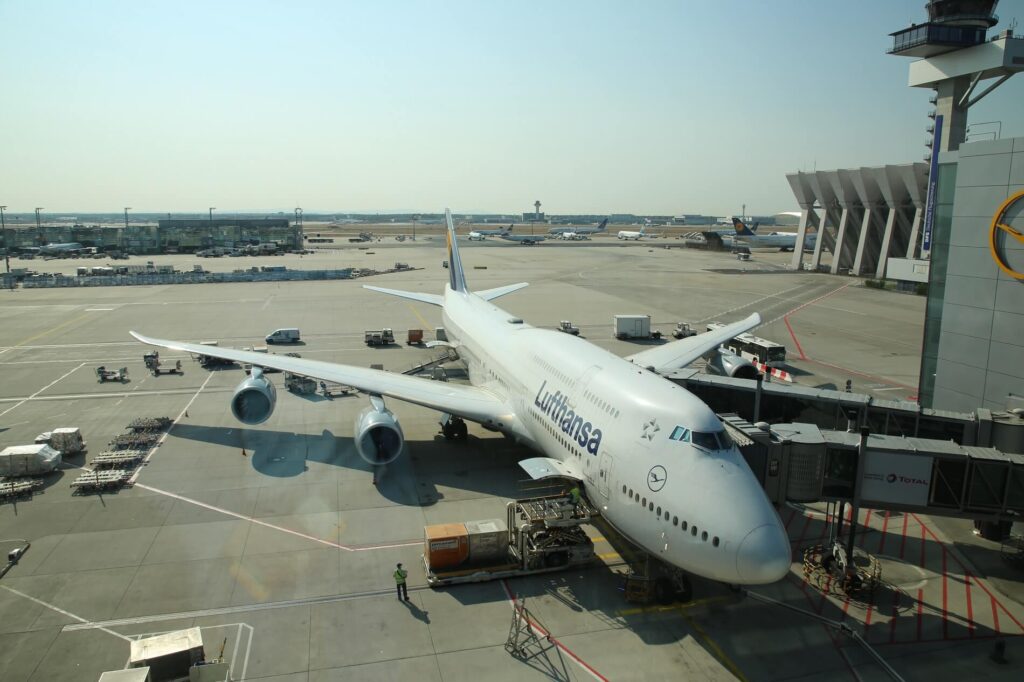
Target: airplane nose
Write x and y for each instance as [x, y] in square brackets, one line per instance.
[763, 556]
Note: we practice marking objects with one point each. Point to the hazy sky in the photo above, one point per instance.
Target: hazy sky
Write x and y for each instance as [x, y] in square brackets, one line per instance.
[598, 107]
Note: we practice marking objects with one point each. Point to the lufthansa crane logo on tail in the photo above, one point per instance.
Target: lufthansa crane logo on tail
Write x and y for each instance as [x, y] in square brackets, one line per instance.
[656, 478]
[1002, 236]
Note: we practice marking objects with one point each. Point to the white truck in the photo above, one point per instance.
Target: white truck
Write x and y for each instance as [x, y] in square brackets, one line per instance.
[633, 327]
[288, 335]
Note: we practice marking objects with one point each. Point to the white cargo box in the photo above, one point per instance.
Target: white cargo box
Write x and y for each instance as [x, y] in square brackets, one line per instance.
[28, 460]
[66, 439]
[632, 326]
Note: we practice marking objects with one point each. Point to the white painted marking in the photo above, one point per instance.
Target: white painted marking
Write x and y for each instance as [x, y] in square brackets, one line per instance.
[66, 613]
[258, 522]
[63, 376]
[152, 450]
[97, 310]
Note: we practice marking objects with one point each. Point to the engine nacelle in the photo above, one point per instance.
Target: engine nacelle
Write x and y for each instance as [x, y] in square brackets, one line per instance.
[254, 399]
[727, 363]
[378, 435]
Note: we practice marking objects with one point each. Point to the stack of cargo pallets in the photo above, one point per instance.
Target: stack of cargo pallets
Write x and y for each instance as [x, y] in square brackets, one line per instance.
[12, 489]
[149, 424]
[117, 459]
[133, 441]
[96, 481]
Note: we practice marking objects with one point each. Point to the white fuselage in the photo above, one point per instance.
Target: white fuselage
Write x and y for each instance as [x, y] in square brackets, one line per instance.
[783, 242]
[699, 509]
[630, 234]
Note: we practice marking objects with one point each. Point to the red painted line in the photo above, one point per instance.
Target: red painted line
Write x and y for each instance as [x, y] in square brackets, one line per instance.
[970, 607]
[792, 335]
[980, 583]
[922, 541]
[846, 604]
[995, 613]
[835, 642]
[920, 613]
[867, 620]
[792, 515]
[866, 526]
[807, 523]
[544, 633]
[885, 529]
[945, 613]
[895, 616]
[824, 529]
[903, 542]
[872, 377]
[824, 595]
[849, 513]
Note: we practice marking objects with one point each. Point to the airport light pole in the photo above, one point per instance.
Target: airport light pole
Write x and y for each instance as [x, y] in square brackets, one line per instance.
[212, 209]
[126, 209]
[7, 243]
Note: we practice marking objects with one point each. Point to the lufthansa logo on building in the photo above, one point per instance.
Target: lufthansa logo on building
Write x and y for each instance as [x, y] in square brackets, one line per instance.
[656, 478]
[1001, 236]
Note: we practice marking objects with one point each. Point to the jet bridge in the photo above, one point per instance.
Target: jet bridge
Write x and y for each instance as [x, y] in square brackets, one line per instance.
[799, 462]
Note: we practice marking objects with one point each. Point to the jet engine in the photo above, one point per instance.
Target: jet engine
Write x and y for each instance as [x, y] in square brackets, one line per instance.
[378, 435]
[254, 399]
[729, 364]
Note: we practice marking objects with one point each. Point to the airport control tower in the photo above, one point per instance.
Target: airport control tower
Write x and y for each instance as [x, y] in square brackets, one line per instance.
[955, 56]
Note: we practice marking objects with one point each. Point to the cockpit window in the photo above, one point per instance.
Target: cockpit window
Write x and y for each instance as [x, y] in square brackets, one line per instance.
[709, 440]
[680, 433]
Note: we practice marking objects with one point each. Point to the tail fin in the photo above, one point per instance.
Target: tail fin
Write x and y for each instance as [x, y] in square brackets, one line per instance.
[602, 226]
[508, 230]
[741, 227]
[456, 277]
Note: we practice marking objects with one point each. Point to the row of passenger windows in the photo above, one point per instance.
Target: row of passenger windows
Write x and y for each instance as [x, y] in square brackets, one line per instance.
[551, 368]
[602, 404]
[567, 443]
[659, 512]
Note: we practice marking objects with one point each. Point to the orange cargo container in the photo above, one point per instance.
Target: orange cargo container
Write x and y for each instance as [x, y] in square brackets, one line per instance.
[446, 545]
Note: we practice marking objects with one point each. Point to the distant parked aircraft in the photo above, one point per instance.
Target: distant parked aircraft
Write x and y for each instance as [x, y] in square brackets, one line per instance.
[61, 249]
[601, 227]
[480, 235]
[777, 240]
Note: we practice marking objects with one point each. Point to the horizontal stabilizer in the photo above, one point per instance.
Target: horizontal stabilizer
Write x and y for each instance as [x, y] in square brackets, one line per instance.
[432, 299]
[540, 468]
[498, 292]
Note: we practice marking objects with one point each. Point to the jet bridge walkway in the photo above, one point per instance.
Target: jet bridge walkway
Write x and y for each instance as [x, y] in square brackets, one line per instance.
[802, 463]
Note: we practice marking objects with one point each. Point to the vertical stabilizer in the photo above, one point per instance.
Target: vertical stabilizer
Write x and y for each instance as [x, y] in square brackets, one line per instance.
[456, 276]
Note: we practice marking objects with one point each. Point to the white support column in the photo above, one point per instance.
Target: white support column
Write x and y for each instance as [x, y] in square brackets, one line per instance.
[915, 230]
[883, 255]
[801, 234]
[865, 227]
[840, 239]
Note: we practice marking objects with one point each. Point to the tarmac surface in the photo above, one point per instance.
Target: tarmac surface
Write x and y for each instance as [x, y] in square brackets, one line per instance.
[275, 541]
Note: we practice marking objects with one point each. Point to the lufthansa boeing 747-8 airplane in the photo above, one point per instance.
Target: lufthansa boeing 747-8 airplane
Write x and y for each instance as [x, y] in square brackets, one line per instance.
[652, 456]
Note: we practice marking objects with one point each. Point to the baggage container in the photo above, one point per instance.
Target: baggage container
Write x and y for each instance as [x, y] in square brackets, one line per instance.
[488, 540]
[28, 460]
[446, 545]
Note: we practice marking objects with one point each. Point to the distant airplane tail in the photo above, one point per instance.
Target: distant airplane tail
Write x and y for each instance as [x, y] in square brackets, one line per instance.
[602, 226]
[508, 230]
[741, 227]
[456, 276]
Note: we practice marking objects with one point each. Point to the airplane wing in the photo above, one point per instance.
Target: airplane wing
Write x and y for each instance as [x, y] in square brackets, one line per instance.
[683, 352]
[470, 402]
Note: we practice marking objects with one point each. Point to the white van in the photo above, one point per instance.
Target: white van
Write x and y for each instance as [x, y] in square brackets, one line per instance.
[290, 335]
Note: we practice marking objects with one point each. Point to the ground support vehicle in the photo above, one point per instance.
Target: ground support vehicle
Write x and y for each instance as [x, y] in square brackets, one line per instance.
[379, 337]
[154, 365]
[568, 327]
[539, 535]
[329, 389]
[66, 439]
[415, 337]
[633, 327]
[117, 459]
[683, 330]
[14, 489]
[103, 374]
[299, 384]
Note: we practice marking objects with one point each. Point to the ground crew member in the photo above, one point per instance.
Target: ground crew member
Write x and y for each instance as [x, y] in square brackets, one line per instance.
[574, 495]
[400, 576]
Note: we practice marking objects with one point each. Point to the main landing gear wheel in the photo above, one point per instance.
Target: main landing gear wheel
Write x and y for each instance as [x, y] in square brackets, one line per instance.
[455, 429]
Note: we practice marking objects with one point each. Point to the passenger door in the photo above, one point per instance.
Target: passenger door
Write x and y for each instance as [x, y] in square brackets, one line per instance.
[604, 474]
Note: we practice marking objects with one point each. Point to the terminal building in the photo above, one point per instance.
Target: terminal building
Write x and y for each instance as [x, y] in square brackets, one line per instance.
[953, 223]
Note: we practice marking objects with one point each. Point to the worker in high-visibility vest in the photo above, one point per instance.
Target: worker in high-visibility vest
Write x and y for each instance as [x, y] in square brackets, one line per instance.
[400, 576]
[574, 495]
